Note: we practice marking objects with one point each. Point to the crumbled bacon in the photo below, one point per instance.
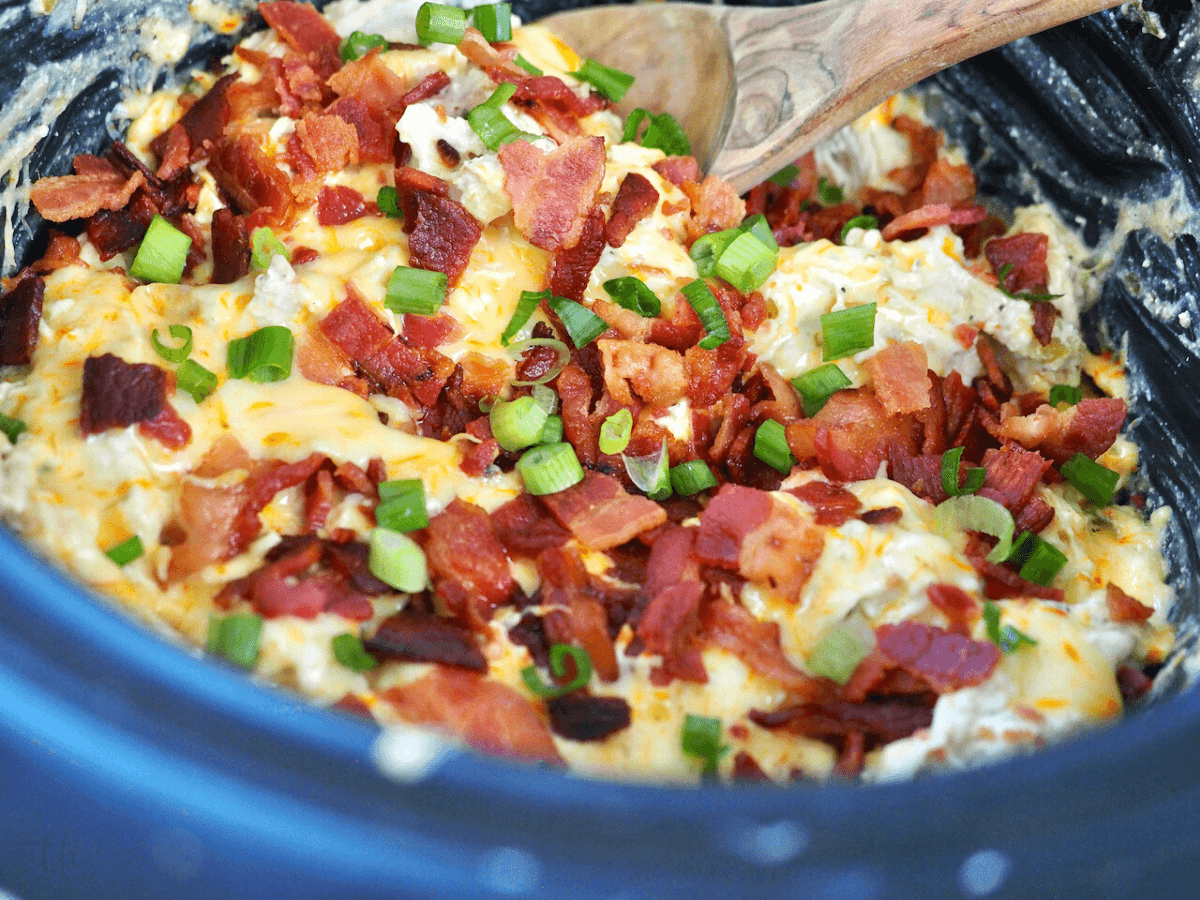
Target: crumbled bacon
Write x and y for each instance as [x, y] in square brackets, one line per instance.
[851, 435]
[20, 313]
[370, 80]
[375, 132]
[416, 636]
[230, 246]
[732, 628]
[552, 193]
[636, 199]
[66, 197]
[441, 233]
[61, 251]
[117, 394]
[832, 504]
[168, 428]
[524, 529]
[582, 717]
[251, 180]
[304, 29]
[1123, 608]
[340, 204]
[931, 216]
[330, 141]
[600, 514]
[715, 206]
[946, 660]
[961, 610]
[898, 376]
[1026, 253]
[467, 564]
[658, 376]
[205, 121]
[497, 62]
[575, 613]
[572, 266]
[678, 169]
[1089, 427]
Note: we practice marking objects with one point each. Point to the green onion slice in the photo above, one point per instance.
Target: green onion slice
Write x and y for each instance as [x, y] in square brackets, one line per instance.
[770, 446]
[398, 560]
[829, 194]
[650, 474]
[525, 308]
[663, 133]
[1037, 559]
[517, 424]
[632, 293]
[126, 551]
[162, 254]
[839, 652]
[12, 428]
[712, 317]
[866, 223]
[528, 66]
[848, 331]
[194, 379]
[559, 654]
[264, 356]
[612, 83]
[419, 291]
[583, 326]
[692, 477]
[349, 651]
[785, 176]
[616, 431]
[818, 385]
[388, 203]
[564, 356]
[401, 505]
[173, 354]
[708, 248]
[438, 24]
[263, 245]
[701, 737]
[552, 432]
[1094, 481]
[1008, 638]
[972, 513]
[493, 21]
[236, 638]
[359, 44]
[746, 263]
[550, 468]
[759, 227]
[972, 482]
[1065, 393]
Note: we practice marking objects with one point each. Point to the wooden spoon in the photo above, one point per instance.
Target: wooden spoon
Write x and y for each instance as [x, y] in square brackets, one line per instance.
[754, 88]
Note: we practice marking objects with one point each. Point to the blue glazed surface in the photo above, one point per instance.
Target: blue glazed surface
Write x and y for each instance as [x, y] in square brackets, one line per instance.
[130, 768]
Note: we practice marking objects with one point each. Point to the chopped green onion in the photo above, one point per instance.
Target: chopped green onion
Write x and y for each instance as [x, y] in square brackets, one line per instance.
[264, 356]
[650, 474]
[493, 21]
[817, 385]
[173, 354]
[552, 432]
[562, 350]
[972, 513]
[708, 249]
[359, 44]
[785, 176]
[528, 66]
[401, 505]
[848, 331]
[419, 291]
[194, 379]
[545, 398]
[663, 133]
[866, 223]
[1007, 638]
[583, 326]
[770, 446]
[1094, 481]
[12, 428]
[438, 24]
[632, 293]
[746, 263]
[692, 477]
[235, 638]
[493, 127]
[759, 227]
[702, 737]
[839, 652]
[397, 560]
[264, 245]
[501, 95]
[525, 308]
[712, 317]
[349, 651]
[388, 203]
[162, 254]
[550, 468]
[971, 483]
[1065, 393]
[616, 431]
[559, 653]
[126, 551]
[517, 424]
[1037, 559]
[829, 194]
[612, 83]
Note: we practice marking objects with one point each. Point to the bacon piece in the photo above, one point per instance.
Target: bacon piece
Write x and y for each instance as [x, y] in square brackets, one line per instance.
[524, 529]
[1001, 581]
[658, 375]
[552, 193]
[946, 660]
[230, 246]
[581, 717]
[730, 516]
[251, 180]
[555, 106]
[66, 197]
[304, 29]
[495, 61]
[330, 141]
[167, 428]
[1026, 253]
[286, 587]
[832, 503]
[961, 610]
[441, 233]
[376, 133]
[732, 628]
[930, 216]
[340, 204]
[1123, 608]
[715, 206]
[205, 120]
[1011, 475]
[488, 715]
[417, 636]
[947, 183]
[1133, 683]
[921, 474]
[1089, 427]
[467, 564]
[480, 456]
[851, 435]
[117, 393]
[572, 266]
[432, 84]
[20, 313]
[600, 514]
[1044, 316]
[427, 332]
[667, 625]
[61, 251]
[575, 614]
[636, 199]
[678, 169]
[834, 720]
[898, 376]
[370, 80]
[177, 154]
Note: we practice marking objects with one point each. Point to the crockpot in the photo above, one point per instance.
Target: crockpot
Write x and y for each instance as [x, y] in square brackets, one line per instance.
[131, 767]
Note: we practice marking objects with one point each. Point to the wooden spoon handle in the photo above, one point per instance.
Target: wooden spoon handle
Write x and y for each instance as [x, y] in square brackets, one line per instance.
[802, 72]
